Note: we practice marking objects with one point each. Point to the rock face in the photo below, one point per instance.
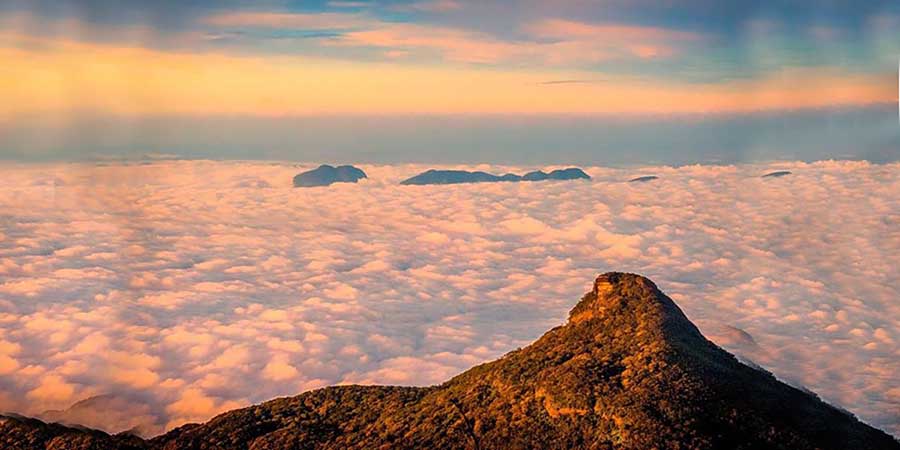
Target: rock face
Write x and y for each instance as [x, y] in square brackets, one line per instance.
[461, 176]
[326, 175]
[628, 370]
[777, 174]
[643, 179]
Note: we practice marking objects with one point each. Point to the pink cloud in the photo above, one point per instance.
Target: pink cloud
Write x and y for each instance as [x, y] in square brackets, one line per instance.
[639, 41]
[567, 29]
[558, 42]
[453, 44]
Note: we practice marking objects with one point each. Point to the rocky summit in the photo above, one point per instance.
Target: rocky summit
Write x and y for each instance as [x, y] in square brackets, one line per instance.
[627, 371]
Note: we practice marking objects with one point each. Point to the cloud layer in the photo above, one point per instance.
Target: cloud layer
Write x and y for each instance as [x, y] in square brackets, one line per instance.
[180, 289]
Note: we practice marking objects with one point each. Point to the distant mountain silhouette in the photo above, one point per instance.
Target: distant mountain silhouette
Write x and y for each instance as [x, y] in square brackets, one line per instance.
[643, 179]
[627, 371]
[107, 411]
[461, 176]
[777, 174]
[571, 173]
[326, 175]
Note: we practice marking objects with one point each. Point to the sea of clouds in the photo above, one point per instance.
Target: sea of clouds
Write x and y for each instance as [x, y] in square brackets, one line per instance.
[175, 290]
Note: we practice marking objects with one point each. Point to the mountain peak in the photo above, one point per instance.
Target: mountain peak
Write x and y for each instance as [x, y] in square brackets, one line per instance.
[612, 288]
[629, 301]
[628, 370]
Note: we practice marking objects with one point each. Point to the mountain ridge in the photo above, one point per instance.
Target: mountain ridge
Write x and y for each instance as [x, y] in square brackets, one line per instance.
[434, 176]
[627, 370]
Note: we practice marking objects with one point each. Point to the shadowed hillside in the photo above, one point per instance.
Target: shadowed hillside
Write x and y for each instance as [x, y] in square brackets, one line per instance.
[628, 370]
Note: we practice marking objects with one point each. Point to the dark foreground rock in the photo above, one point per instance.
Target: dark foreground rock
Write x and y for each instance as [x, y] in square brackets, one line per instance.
[326, 175]
[627, 371]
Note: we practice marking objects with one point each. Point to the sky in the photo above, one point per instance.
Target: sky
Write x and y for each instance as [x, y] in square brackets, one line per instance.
[452, 81]
[177, 290]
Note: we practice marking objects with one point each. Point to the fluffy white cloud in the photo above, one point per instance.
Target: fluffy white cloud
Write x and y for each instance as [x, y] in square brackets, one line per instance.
[186, 288]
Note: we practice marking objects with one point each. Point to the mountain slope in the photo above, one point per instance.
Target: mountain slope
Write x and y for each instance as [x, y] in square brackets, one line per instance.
[628, 370]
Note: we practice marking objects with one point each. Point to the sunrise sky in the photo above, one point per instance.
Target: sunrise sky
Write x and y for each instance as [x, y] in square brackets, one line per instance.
[136, 65]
